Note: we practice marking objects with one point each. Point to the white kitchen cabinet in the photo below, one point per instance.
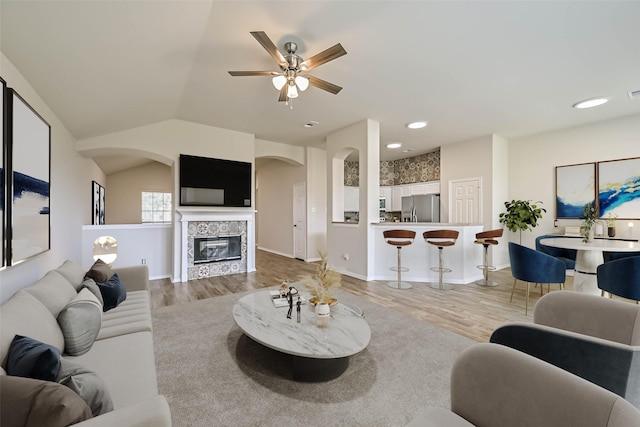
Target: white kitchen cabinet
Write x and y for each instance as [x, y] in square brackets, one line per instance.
[425, 188]
[351, 199]
[386, 193]
[396, 198]
[400, 191]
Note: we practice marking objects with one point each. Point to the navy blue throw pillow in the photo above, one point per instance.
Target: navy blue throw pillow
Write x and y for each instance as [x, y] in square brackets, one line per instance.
[113, 292]
[29, 358]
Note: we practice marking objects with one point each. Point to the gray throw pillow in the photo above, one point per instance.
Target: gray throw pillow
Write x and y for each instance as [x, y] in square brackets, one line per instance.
[91, 285]
[87, 384]
[99, 271]
[28, 402]
[80, 322]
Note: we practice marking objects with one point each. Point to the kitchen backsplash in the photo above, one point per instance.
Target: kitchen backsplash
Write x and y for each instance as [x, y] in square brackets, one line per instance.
[422, 168]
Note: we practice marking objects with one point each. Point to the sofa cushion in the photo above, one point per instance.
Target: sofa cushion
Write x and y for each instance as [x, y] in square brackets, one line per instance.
[24, 315]
[80, 322]
[127, 366]
[133, 315]
[31, 403]
[53, 291]
[87, 384]
[100, 271]
[30, 358]
[113, 292]
[73, 273]
[93, 287]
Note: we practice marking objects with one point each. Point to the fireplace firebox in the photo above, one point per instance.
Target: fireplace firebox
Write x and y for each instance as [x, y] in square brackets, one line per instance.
[216, 249]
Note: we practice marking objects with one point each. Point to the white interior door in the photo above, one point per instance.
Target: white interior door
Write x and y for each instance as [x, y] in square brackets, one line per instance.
[300, 221]
[465, 201]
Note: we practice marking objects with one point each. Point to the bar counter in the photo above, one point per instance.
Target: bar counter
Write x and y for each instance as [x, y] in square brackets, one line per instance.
[419, 257]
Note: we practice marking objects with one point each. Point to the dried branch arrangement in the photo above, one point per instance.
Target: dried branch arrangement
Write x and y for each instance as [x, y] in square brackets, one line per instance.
[324, 283]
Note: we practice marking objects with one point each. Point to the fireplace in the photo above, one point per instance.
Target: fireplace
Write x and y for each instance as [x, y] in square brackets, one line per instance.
[216, 243]
[216, 249]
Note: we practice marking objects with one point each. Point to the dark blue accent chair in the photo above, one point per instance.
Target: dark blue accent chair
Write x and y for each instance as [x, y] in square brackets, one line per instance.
[533, 266]
[568, 256]
[620, 277]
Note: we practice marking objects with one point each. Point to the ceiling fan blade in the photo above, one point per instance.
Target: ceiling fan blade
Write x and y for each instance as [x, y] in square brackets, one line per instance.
[283, 94]
[323, 57]
[253, 73]
[324, 85]
[268, 45]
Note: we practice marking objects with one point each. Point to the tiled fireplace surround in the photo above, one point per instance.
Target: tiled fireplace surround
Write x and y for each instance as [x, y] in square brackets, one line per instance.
[203, 224]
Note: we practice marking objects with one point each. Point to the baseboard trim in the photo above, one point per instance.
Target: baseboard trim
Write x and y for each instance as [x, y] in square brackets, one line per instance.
[262, 248]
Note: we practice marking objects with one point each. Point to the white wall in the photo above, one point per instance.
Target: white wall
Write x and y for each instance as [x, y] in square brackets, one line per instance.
[499, 255]
[70, 196]
[349, 239]
[532, 162]
[148, 244]
[316, 203]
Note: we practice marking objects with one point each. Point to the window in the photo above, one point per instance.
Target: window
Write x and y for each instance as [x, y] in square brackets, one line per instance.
[156, 207]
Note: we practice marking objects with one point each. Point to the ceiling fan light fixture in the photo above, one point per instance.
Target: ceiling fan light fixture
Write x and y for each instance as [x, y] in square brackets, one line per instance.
[417, 125]
[279, 82]
[292, 90]
[302, 82]
[590, 103]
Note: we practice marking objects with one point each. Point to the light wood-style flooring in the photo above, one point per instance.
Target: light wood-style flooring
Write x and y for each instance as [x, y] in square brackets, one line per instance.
[469, 310]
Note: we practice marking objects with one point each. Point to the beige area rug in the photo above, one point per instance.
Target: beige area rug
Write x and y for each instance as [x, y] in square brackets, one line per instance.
[213, 375]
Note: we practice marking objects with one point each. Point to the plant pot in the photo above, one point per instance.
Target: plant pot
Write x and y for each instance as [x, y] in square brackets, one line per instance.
[611, 231]
[323, 312]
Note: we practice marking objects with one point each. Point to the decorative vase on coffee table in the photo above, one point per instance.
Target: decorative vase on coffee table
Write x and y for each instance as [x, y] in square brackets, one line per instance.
[323, 311]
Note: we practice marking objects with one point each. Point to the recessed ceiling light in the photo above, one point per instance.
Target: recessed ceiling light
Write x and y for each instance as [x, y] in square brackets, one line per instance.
[589, 103]
[394, 145]
[310, 124]
[408, 150]
[417, 125]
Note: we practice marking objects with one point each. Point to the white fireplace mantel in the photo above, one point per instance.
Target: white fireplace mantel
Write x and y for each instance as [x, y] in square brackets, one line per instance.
[189, 215]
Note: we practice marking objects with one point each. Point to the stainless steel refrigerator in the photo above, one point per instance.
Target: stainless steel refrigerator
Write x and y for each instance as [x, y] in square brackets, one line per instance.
[424, 208]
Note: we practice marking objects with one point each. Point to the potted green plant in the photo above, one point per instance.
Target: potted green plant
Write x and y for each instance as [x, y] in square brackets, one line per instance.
[589, 213]
[521, 215]
[611, 225]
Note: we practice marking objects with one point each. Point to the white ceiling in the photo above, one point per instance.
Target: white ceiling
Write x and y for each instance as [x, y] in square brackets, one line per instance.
[513, 68]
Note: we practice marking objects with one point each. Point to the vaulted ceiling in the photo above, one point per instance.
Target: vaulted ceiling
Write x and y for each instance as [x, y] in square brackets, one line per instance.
[469, 68]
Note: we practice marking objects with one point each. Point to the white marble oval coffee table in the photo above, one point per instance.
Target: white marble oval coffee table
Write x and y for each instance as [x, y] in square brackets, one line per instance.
[318, 354]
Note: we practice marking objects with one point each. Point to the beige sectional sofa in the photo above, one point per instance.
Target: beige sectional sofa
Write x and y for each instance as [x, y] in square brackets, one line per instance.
[122, 354]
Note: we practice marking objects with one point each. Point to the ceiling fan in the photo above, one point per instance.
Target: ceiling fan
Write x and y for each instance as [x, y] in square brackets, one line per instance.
[293, 69]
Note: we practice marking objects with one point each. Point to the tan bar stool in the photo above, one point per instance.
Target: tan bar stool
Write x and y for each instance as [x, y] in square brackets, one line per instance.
[399, 239]
[441, 239]
[485, 239]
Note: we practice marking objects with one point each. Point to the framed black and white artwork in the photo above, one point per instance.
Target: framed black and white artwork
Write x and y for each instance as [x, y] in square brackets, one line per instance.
[29, 163]
[97, 203]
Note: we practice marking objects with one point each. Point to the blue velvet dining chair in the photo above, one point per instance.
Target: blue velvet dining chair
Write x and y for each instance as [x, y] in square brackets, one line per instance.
[568, 256]
[531, 266]
[620, 277]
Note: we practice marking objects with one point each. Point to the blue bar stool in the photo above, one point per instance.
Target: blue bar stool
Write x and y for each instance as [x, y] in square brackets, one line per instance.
[399, 239]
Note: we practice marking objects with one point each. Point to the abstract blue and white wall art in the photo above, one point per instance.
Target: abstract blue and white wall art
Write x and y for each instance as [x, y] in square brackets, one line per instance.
[619, 188]
[575, 187]
[29, 143]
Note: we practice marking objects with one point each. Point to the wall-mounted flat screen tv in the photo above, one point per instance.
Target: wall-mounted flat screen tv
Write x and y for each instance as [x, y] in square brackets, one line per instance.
[207, 181]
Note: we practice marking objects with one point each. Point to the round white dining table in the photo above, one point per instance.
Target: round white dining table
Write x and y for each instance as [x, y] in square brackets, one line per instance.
[589, 256]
